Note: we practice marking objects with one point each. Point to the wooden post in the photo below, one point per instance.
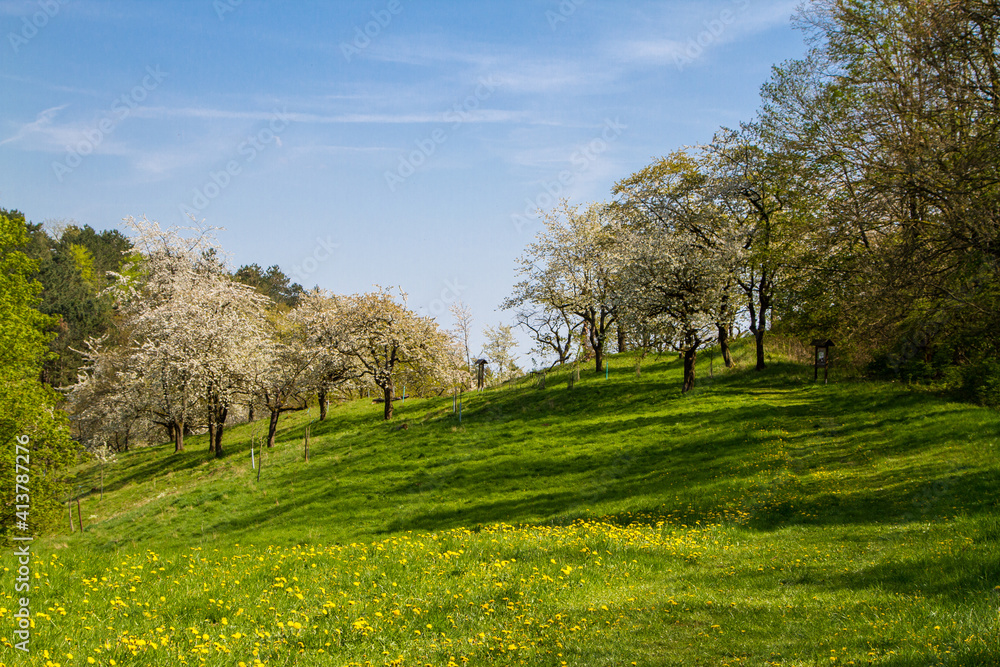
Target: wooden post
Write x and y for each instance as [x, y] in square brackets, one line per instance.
[79, 512]
[306, 443]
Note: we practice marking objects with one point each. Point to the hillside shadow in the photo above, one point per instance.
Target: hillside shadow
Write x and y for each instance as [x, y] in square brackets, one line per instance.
[687, 459]
[949, 576]
[158, 460]
[684, 464]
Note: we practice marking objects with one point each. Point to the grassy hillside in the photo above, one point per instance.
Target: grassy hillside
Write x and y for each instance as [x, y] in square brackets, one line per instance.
[761, 519]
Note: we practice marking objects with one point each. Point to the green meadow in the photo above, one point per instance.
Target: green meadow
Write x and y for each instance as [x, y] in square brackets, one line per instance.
[761, 519]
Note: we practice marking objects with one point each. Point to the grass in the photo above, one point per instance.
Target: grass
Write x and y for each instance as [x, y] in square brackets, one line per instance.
[762, 519]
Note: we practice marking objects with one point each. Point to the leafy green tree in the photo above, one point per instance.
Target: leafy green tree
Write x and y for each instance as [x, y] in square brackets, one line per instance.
[272, 283]
[895, 109]
[498, 350]
[28, 417]
[73, 268]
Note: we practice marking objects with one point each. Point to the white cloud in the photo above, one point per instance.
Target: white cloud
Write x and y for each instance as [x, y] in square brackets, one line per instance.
[40, 127]
[698, 28]
[46, 135]
[208, 113]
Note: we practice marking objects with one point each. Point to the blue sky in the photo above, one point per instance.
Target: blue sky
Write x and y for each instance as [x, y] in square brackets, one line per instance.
[352, 143]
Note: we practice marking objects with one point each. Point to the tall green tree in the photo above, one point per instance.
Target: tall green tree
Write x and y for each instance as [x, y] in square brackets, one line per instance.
[896, 109]
[272, 283]
[73, 266]
[28, 417]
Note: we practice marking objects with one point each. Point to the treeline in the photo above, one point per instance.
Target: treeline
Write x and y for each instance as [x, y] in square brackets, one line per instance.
[110, 341]
[34, 439]
[862, 204]
[192, 344]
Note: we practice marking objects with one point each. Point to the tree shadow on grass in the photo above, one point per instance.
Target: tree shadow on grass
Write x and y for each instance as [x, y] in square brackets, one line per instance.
[955, 577]
[432, 476]
[965, 657]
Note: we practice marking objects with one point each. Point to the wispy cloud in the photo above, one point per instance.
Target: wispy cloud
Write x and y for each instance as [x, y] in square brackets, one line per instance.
[73, 90]
[79, 9]
[674, 33]
[43, 133]
[532, 76]
[337, 150]
[429, 49]
[208, 113]
[656, 51]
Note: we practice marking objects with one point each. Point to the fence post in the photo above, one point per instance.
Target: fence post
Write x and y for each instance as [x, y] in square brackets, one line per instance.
[306, 442]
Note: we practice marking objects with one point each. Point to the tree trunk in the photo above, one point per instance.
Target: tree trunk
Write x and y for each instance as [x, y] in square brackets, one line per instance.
[272, 427]
[621, 339]
[764, 302]
[211, 428]
[599, 357]
[250, 411]
[387, 391]
[322, 403]
[638, 361]
[759, 340]
[211, 408]
[724, 345]
[178, 437]
[690, 355]
[588, 347]
[220, 425]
